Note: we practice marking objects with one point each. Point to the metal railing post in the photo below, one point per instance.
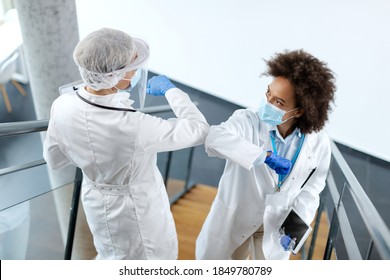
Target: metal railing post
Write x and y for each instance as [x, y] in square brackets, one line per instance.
[73, 214]
[317, 224]
[168, 169]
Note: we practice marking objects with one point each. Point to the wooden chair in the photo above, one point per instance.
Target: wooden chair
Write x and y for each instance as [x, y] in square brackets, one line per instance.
[7, 69]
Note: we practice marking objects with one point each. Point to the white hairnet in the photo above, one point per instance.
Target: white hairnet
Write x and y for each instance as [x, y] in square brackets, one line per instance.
[105, 55]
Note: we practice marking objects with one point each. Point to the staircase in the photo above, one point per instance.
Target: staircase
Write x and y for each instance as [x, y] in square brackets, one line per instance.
[191, 210]
[189, 213]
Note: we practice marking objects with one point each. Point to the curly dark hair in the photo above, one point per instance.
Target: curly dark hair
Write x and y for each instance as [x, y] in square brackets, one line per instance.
[313, 83]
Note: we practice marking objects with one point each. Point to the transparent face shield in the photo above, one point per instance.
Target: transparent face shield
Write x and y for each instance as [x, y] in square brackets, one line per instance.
[138, 86]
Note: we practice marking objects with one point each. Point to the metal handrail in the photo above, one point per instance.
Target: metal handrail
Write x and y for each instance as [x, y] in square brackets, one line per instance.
[374, 223]
[17, 128]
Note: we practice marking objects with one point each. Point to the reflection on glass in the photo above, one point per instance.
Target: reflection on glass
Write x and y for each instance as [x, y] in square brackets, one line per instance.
[14, 232]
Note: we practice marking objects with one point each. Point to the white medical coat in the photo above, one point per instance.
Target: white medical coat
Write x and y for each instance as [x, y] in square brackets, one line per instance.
[123, 192]
[240, 207]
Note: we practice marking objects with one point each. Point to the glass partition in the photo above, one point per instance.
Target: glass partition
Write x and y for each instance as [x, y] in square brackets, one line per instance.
[175, 168]
[35, 229]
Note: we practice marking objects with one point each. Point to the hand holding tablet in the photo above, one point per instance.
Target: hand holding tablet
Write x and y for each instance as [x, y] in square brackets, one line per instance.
[293, 232]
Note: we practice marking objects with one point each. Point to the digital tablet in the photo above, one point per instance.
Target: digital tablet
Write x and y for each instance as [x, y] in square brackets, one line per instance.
[295, 227]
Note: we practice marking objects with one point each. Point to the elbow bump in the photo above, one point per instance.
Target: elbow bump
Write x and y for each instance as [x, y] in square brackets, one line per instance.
[206, 129]
[202, 128]
[208, 142]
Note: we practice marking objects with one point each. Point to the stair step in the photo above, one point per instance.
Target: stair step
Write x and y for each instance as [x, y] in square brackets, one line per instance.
[189, 214]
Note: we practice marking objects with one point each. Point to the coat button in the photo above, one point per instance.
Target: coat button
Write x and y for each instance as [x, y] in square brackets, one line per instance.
[243, 236]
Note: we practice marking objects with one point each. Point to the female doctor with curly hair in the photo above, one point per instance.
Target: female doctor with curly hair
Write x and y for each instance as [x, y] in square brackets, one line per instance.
[270, 153]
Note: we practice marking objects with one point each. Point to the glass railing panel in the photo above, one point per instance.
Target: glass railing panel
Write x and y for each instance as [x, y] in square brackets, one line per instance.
[23, 185]
[17, 186]
[357, 224]
[361, 231]
[162, 162]
[175, 167]
[15, 232]
[36, 229]
[26, 184]
[179, 171]
[339, 246]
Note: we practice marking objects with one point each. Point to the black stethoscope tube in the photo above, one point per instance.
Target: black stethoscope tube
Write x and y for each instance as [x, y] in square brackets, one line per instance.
[105, 107]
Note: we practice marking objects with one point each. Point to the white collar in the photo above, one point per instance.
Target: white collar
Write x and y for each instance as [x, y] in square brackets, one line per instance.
[118, 99]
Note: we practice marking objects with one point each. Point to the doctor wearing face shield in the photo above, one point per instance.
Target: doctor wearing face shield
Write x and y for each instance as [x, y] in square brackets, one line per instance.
[277, 158]
[116, 146]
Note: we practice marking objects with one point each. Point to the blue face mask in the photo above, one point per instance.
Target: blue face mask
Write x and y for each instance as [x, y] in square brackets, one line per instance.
[271, 114]
[135, 79]
[133, 82]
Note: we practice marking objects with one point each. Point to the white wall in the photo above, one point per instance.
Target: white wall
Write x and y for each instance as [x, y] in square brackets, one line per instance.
[218, 46]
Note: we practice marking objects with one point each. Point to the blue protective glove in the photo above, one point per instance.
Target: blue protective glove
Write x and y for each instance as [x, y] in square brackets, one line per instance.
[288, 243]
[285, 241]
[159, 85]
[281, 165]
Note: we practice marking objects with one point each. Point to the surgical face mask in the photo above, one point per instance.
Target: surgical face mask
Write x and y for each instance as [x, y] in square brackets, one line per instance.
[135, 79]
[133, 82]
[137, 87]
[271, 114]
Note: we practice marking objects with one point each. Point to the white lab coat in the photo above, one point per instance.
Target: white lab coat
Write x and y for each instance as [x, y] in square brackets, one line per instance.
[123, 192]
[240, 207]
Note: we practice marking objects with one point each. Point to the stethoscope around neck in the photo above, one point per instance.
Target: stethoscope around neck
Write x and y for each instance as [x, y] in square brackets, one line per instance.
[102, 106]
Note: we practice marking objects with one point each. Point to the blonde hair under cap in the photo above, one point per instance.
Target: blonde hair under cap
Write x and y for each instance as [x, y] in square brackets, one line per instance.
[106, 55]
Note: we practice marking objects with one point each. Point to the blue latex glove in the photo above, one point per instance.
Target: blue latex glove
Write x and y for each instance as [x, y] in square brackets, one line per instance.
[159, 85]
[285, 241]
[281, 165]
